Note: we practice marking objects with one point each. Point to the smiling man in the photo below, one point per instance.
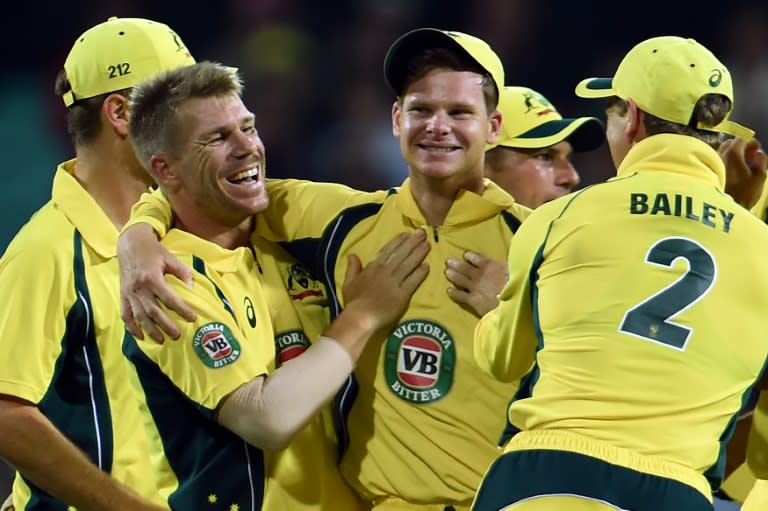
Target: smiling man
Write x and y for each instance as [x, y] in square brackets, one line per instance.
[214, 403]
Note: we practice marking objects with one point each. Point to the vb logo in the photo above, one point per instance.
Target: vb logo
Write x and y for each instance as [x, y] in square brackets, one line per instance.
[419, 361]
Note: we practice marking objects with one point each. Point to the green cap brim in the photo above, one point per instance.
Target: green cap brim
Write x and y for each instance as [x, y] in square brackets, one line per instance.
[595, 88]
[583, 133]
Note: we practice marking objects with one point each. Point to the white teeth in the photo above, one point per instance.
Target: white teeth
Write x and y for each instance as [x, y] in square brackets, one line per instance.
[439, 149]
[254, 172]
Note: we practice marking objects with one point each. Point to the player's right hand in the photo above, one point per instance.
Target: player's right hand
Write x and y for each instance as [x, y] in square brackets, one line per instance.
[143, 263]
[745, 170]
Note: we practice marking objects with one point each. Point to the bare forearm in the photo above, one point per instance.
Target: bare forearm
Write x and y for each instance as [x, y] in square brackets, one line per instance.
[269, 411]
[48, 459]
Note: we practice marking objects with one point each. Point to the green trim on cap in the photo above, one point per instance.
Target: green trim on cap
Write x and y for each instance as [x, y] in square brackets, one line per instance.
[599, 84]
[583, 133]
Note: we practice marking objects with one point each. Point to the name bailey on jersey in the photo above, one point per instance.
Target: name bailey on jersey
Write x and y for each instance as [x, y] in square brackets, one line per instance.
[680, 205]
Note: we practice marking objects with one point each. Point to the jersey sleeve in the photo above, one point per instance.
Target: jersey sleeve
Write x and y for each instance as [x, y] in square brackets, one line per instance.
[760, 209]
[757, 446]
[213, 356]
[304, 209]
[37, 292]
[154, 209]
[505, 338]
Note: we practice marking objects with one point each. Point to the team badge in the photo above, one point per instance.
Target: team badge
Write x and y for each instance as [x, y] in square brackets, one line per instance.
[301, 285]
[215, 345]
[419, 361]
[289, 345]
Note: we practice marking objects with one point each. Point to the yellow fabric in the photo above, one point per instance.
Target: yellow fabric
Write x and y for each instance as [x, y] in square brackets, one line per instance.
[757, 500]
[760, 209]
[524, 110]
[118, 54]
[398, 55]
[563, 440]
[757, 446]
[435, 448]
[586, 305]
[738, 483]
[666, 76]
[37, 286]
[305, 475]
[393, 504]
[428, 441]
[230, 342]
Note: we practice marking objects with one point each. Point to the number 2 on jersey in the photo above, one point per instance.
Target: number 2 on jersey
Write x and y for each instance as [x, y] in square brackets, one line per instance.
[651, 318]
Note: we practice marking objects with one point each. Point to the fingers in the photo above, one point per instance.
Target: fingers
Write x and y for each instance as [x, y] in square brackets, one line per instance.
[458, 273]
[126, 313]
[460, 296]
[184, 273]
[755, 157]
[475, 259]
[354, 267]
[405, 254]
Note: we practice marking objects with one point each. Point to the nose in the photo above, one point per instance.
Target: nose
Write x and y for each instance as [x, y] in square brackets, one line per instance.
[567, 175]
[246, 143]
[439, 124]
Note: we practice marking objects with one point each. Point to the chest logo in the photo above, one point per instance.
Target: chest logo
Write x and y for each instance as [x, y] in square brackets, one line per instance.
[215, 345]
[289, 345]
[420, 358]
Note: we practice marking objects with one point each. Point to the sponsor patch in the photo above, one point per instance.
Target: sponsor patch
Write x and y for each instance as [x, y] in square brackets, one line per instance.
[289, 345]
[420, 358]
[215, 345]
[301, 285]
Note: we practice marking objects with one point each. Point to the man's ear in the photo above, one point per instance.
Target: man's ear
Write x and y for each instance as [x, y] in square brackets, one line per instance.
[635, 127]
[495, 123]
[396, 111]
[161, 168]
[115, 111]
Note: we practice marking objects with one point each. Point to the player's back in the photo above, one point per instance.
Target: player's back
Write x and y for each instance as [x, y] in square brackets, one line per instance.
[650, 296]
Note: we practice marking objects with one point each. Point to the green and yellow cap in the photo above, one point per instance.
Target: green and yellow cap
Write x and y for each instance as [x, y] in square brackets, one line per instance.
[530, 121]
[666, 76]
[118, 54]
[410, 43]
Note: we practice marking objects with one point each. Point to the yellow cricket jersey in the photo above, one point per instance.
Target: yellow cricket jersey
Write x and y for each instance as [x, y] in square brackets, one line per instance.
[424, 422]
[61, 337]
[305, 475]
[425, 419]
[206, 466]
[642, 302]
[757, 500]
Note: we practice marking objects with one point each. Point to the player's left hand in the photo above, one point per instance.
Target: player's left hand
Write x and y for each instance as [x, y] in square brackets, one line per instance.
[478, 280]
[745, 170]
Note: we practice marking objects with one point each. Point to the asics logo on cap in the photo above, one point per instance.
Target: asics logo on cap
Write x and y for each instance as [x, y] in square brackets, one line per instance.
[715, 78]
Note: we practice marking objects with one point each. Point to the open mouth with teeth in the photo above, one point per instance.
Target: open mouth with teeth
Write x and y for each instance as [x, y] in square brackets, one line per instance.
[437, 149]
[246, 176]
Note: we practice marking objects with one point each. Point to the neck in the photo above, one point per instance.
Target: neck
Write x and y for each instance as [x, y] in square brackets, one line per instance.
[435, 196]
[113, 177]
[225, 236]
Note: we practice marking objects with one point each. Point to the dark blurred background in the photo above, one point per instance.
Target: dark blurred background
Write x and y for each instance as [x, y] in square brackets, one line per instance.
[313, 71]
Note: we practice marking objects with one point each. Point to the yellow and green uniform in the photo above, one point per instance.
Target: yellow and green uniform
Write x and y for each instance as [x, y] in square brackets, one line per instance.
[61, 336]
[640, 302]
[182, 382]
[424, 419]
[305, 475]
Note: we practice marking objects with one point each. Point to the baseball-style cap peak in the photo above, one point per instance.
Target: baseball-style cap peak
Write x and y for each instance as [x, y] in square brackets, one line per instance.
[666, 76]
[410, 43]
[530, 121]
[118, 54]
